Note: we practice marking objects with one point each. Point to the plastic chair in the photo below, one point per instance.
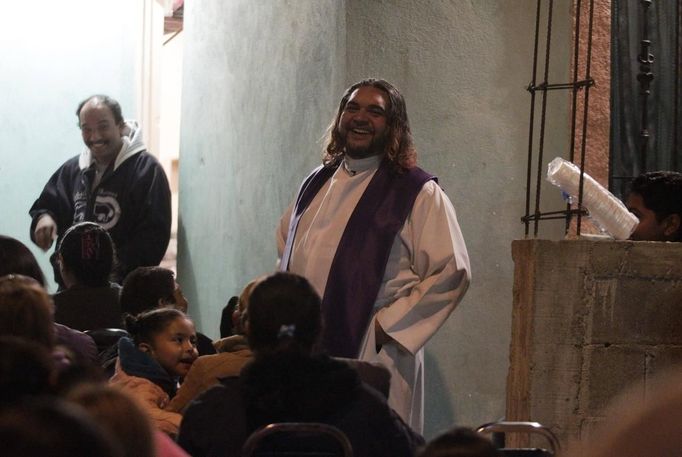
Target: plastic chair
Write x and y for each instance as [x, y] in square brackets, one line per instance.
[291, 439]
[106, 337]
[524, 427]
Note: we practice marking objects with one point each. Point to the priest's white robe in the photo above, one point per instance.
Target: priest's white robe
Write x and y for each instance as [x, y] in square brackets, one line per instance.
[426, 275]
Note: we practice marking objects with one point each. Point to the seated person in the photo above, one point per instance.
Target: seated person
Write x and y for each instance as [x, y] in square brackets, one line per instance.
[52, 427]
[17, 259]
[26, 370]
[656, 199]
[226, 326]
[460, 442]
[207, 370]
[85, 256]
[151, 363]
[147, 288]
[125, 420]
[289, 382]
[234, 352]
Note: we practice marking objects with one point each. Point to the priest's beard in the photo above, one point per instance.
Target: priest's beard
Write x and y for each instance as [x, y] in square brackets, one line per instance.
[376, 147]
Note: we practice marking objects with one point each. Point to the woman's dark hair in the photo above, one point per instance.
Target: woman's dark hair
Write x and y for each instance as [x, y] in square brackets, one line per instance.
[284, 314]
[144, 286]
[87, 252]
[26, 310]
[26, 370]
[16, 258]
[143, 327]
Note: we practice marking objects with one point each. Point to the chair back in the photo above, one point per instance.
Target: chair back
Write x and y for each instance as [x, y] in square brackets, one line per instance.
[106, 337]
[524, 427]
[297, 439]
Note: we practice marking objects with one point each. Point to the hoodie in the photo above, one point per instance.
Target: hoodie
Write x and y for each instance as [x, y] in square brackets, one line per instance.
[132, 201]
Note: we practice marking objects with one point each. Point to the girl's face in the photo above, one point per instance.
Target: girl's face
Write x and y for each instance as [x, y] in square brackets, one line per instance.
[176, 347]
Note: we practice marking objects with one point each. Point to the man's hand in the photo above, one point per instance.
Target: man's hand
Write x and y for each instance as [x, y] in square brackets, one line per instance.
[45, 232]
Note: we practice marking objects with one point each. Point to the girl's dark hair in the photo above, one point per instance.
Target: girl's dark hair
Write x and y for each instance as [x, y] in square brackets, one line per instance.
[143, 327]
[16, 258]
[284, 314]
[87, 252]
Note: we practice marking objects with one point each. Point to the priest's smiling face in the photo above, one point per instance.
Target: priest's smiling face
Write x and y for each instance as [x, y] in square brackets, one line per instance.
[362, 125]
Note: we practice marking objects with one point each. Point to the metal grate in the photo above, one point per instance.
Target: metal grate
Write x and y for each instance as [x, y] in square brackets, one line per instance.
[579, 85]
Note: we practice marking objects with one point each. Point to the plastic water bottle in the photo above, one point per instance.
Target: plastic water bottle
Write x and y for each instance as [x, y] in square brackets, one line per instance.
[607, 211]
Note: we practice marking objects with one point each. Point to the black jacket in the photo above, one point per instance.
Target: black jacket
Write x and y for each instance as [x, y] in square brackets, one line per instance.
[294, 388]
[132, 201]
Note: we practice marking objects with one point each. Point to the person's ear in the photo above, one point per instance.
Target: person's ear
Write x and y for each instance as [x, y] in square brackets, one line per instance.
[671, 225]
[145, 347]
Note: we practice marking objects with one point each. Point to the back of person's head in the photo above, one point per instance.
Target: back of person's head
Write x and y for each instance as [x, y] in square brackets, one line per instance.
[86, 251]
[661, 192]
[118, 414]
[243, 305]
[146, 325]
[26, 310]
[144, 287]
[16, 258]
[26, 370]
[460, 442]
[50, 427]
[283, 315]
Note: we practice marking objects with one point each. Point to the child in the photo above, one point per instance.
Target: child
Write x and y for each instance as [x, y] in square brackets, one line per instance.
[150, 364]
[85, 256]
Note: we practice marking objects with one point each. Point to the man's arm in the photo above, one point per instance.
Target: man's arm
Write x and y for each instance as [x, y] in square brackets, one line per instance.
[439, 259]
[52, 212]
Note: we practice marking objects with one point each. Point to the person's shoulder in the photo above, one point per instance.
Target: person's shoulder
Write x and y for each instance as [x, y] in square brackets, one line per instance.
[70, 166]
[217, 396]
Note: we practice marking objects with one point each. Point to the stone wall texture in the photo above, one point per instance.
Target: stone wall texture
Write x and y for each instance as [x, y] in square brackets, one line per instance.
[589, 319]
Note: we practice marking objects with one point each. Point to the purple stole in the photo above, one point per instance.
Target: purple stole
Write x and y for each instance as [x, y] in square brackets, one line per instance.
[362, 254]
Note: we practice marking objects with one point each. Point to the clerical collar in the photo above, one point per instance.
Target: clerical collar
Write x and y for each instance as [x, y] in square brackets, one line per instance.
[355, 166]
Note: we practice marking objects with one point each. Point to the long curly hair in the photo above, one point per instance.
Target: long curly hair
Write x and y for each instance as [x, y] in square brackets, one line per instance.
[400, 148]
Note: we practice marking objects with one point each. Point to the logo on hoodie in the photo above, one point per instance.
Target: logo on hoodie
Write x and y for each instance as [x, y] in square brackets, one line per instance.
[106, 211]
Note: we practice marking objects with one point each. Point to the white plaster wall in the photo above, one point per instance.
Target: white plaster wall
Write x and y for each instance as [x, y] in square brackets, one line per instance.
[54, 54]
[263, 79]
[260, 83]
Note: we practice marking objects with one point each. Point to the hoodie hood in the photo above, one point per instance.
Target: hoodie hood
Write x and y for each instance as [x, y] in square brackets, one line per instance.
[295, 387]
[132, 144]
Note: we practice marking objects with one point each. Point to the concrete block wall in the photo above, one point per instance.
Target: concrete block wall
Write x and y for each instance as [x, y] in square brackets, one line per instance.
[589, 319]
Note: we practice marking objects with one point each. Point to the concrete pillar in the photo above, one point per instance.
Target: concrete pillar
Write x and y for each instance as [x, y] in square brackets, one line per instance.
[589, 319]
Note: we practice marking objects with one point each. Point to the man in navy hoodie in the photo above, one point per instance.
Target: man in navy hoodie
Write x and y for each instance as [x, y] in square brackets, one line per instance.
[114, 182]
